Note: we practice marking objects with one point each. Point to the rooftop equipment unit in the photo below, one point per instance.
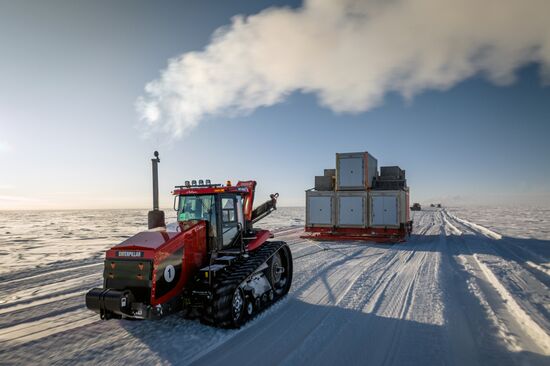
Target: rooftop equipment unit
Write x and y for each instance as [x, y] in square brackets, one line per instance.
[355, 171]
[324, 183]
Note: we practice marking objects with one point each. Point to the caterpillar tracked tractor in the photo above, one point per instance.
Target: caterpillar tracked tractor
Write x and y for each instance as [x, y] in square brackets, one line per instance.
[212, 264]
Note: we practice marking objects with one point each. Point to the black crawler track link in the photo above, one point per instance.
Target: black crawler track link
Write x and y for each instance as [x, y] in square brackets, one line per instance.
[218, 311]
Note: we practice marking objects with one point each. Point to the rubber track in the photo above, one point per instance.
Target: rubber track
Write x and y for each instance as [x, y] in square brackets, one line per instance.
[218, 313]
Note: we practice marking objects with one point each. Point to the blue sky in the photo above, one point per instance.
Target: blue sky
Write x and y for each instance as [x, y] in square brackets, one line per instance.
[70, 136]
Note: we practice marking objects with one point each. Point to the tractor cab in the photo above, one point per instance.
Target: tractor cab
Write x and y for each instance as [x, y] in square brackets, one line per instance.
[223, 213]
[227, 210]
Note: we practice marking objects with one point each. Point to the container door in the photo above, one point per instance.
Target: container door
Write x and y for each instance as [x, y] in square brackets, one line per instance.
[350, 173]
[377, 211]
[350, 211]
[320, 210]
[390, 210]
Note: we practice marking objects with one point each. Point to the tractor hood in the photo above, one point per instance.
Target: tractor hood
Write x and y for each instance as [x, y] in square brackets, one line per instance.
[147, 240]
[149, 244]
[144, 245]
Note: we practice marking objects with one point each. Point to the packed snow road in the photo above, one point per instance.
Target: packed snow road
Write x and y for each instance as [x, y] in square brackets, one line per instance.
[455, 293]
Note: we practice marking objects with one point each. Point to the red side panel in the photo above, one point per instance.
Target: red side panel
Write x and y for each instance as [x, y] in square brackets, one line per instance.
[195, 255]
[261, 237]
[193, 241]
[184, 250]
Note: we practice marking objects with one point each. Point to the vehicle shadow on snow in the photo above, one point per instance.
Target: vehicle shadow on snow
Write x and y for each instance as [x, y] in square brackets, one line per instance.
[298, 333]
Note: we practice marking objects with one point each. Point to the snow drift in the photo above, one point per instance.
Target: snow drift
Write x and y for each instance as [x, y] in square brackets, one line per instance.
[350, 53]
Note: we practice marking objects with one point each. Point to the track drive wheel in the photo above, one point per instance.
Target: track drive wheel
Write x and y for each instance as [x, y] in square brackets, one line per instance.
[279, 271]
[238, 307]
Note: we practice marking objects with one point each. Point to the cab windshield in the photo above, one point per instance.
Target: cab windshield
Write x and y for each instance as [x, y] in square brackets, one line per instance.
[196, 208]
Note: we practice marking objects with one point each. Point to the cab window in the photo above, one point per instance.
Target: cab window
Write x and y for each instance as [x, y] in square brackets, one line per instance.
[228, 209]
[195, 208]
[229, 215]
[199, 208]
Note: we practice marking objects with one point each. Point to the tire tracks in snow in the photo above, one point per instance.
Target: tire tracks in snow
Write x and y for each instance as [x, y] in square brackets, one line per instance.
[354, 303]
[31, 331]
[383, 280]
[365, 295]
[510, 317]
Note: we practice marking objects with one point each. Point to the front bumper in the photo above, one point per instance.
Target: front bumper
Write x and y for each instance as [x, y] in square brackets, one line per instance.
[109, 303]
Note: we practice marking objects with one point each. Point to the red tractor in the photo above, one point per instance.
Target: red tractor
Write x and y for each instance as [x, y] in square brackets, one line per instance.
[213, 264]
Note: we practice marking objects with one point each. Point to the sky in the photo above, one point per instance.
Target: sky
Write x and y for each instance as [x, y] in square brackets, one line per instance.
[90, 89]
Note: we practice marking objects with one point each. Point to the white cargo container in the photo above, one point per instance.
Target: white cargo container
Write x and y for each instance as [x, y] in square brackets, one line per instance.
[388, 209]
[351, 209]
[355, 171]
[319, 209]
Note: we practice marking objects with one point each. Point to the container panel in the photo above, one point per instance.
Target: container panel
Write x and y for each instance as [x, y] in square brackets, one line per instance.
[319, 210]
[390, 210]
[351, 211]
[404, 206]
[377, 210]
[351, 173]
[387, 208]
[355, 171]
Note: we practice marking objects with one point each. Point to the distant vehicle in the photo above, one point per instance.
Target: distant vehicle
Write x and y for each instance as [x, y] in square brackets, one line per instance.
[416, 207]
[439, 205]
[432, 205]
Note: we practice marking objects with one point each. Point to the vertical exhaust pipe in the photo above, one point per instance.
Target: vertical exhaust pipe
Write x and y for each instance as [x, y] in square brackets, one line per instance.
[155, 163]
[155, 217]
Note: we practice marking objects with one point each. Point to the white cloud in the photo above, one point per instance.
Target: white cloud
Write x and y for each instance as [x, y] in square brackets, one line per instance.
[350, 53]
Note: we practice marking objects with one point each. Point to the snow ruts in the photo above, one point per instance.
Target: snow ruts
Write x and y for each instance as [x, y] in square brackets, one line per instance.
[445, 297]
[517, 298]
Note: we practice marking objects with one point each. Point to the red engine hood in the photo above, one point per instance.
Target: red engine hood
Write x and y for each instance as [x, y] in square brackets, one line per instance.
[147, 240]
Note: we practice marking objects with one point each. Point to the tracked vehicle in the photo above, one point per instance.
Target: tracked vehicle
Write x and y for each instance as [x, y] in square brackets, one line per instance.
[212, 264]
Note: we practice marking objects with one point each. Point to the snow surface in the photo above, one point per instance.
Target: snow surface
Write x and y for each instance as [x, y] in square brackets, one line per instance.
[461, 291]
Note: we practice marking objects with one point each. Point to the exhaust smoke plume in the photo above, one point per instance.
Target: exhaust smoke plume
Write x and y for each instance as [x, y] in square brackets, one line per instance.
[350, 53]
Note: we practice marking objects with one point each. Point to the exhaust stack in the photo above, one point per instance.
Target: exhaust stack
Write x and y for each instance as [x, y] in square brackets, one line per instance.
[155, 217]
